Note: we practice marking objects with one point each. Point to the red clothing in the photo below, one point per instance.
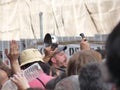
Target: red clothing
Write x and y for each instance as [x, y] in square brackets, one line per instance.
[43, 77]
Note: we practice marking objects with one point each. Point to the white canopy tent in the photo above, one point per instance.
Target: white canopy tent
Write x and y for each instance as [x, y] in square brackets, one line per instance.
[30, 19]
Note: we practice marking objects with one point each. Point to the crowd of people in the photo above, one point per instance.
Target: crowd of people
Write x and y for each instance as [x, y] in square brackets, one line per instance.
[82, 71]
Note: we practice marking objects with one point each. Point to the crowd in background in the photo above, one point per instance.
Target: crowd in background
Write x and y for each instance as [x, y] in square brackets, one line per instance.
[85, 70]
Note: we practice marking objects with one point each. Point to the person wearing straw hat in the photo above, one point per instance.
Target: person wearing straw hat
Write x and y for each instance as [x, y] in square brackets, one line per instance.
[27, 58]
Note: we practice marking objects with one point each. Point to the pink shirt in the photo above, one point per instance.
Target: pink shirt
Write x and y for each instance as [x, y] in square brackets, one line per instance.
[43, 77]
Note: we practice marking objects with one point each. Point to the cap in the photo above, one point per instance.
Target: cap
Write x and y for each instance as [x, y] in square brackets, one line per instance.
[29, 56]
[61, 48]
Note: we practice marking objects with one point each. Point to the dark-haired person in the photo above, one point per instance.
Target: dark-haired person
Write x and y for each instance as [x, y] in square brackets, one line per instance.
[113, 55]
[90, 78]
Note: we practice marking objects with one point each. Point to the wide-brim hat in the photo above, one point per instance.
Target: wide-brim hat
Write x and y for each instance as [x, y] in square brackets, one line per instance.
[29, 56]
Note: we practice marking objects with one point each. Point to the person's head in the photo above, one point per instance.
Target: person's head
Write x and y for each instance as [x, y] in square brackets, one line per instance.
[113, 54]
[31, 56]
[81, 58]
[5, 73]
[90, 78]
[5, 68]
[3, 77]
[68, 83]
[102, 52]
[59, 58]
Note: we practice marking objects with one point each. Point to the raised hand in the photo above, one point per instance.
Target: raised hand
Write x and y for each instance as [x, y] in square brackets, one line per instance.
[13, 55]
[48, 53]
[84, 44]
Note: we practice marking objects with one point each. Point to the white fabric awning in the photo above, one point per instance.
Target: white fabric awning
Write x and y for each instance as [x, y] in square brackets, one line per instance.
[20, 19]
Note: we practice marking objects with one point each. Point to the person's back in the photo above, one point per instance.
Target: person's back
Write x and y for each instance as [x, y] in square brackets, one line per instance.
[40, 81]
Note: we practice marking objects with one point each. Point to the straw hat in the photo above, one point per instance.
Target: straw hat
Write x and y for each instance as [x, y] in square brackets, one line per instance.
[29, 56]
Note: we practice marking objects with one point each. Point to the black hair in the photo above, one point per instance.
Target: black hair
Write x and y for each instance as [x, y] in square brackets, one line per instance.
[90, 78]
[113, 53]
[45, 67]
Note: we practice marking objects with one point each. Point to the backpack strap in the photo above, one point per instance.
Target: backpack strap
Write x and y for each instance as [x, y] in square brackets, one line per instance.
[41, 82]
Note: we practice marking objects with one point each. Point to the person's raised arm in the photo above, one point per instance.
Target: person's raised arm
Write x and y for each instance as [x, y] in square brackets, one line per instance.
[84, 44]
[48, 53]
[13, 55]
